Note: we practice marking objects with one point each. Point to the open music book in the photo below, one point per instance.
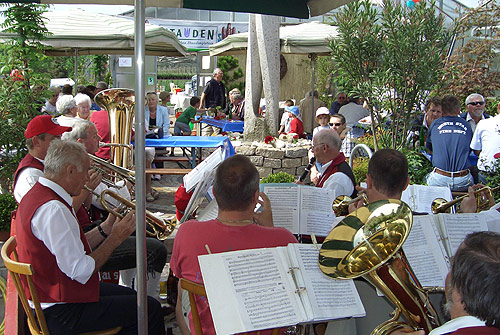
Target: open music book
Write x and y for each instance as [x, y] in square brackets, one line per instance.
[434, 239]
[420, 197]
[273, 287]
[301, 209]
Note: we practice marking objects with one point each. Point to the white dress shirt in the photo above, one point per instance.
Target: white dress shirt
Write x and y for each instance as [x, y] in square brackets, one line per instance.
[338, 182]
[57, 227]
[25, 181]
[457, 323]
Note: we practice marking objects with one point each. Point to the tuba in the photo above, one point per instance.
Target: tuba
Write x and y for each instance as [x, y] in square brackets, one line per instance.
[368, 243]
[119, 102]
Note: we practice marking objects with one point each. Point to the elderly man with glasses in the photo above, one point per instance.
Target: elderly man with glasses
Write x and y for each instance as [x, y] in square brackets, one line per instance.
[475, 110]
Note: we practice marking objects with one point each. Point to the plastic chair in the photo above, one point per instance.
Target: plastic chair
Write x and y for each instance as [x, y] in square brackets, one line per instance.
[37, 325]
[193, 288]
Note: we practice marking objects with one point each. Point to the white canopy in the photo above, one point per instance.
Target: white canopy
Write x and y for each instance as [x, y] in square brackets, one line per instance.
[91, 34]
[305, 38]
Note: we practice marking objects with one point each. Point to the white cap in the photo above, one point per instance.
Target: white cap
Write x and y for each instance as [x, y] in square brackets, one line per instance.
[322, 111]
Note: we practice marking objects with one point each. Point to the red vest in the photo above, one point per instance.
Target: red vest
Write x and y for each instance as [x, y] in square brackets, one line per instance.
[51, 283]
[27, 161]
[482, 330]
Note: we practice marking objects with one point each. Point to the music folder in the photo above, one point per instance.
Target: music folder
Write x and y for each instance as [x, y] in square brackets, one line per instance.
[265, 288]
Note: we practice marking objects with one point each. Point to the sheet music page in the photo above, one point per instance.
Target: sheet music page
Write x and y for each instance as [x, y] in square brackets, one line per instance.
[208, 164]
[457, 226]
[250, 290]
[492, 218]
[210, 212]
[328, 298]
[420, 197]
[285, 204]
[315, 214]
[425, 252]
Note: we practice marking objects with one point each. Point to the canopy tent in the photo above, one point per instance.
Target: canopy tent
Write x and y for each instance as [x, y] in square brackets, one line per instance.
[88, 33]
[292, 8]
[305, 38]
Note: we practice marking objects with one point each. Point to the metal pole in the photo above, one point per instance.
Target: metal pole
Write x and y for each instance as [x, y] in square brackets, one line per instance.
[313, 61]
[140, 173]
[76, 71]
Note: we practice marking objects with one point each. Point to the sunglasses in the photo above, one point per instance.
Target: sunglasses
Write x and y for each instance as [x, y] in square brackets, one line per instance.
[475, 103]
[335, 124]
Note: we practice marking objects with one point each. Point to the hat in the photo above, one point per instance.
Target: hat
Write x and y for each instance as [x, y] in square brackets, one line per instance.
[322, 111]
[164, 95]
[292, 109]
[44, 124]
[497, 155]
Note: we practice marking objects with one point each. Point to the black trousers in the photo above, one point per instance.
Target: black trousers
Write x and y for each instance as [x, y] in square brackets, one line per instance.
[117, 306]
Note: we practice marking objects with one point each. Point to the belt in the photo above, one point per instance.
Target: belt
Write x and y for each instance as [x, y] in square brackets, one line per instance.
[462, 173]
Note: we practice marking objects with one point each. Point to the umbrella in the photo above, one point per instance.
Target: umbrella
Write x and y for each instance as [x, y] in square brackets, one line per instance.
[75, 30]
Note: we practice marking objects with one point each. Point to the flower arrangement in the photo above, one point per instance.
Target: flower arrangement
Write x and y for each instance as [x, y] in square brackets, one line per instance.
[270, 140]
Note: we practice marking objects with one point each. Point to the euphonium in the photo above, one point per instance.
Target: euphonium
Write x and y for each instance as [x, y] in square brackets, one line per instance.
[119, 102]
[368, 243]
[440, 205]
[158, 227]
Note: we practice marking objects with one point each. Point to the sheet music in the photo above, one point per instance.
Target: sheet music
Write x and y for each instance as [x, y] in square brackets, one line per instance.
[458, 226]
[210, 212]
[492, 218]
[420, 197]
[208, 164]
[260, 293]
[316, 213]
[425, 252]
[329, 298]
[285, 205]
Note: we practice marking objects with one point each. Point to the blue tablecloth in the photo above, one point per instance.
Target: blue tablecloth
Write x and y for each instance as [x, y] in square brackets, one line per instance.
[193, 142]
[224, 125]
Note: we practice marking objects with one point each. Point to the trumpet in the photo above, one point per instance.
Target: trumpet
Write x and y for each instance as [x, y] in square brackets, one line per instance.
[341, 203]
[108, 169]
[158, 227]
[440, 205]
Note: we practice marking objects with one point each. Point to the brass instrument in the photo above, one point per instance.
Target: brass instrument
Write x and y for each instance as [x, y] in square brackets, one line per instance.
[111, 170]
[440, 205]
[368, 243]
[119, 102]
[158, 227]
[341, 203]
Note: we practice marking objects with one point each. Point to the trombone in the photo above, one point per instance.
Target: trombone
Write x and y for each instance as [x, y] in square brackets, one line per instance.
[440, 205]
[107, 169]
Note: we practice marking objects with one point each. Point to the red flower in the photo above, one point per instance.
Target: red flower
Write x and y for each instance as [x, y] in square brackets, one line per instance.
[268, 139]
[295, 137]
[223, 133]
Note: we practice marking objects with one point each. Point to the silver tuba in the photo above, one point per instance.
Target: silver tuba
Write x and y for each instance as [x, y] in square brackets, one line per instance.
[119, 103]
[368, 243]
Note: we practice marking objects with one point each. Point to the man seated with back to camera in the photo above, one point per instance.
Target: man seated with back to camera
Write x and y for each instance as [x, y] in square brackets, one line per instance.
[471, 289]
[65, 266]
[124, 257]
[237, 227]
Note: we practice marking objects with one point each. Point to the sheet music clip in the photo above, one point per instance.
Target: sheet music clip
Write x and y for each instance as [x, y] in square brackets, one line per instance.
[300, 289]
[292, 268]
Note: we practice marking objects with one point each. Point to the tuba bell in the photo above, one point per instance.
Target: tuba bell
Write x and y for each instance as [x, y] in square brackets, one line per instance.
[368, 243]
[119, 103]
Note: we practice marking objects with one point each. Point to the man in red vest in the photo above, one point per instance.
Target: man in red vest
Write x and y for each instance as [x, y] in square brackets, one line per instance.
[65, 265]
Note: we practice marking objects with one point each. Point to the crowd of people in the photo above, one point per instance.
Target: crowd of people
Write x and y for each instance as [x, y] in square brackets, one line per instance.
[61, 229]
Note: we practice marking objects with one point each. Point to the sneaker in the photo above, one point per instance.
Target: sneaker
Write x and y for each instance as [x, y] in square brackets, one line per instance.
[149, 197]
[157, 177]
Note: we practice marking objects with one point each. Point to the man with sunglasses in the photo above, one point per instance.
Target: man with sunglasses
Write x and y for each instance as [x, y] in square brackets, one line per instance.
[475, 110]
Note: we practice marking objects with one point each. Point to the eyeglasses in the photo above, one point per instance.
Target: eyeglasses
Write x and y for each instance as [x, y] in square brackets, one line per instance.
[338, 124]
[475, 103]
[315, 146]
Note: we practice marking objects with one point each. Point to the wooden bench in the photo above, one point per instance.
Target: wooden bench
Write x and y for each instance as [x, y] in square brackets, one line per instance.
[174, 172]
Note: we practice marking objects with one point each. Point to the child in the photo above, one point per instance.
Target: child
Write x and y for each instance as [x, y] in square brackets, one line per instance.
[181, 126]
[322, 117]
[285, 121]
[296, 125]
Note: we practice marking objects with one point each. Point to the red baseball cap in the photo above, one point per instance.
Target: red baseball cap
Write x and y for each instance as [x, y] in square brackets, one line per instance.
[44, 124]
[497, 155]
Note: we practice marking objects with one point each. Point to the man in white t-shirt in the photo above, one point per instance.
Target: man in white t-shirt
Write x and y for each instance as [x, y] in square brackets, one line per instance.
[486, 143]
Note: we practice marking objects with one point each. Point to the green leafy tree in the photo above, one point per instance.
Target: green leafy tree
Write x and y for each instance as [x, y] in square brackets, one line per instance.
[233, 73]
[473, 67]
[21, 90]
[390, 56]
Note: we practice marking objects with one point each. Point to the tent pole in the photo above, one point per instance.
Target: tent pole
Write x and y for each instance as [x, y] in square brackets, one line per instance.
[313, 62]
[76, 71]
[140, 174]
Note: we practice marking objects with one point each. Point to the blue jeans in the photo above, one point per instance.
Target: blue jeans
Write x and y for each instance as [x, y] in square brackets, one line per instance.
[454, 183]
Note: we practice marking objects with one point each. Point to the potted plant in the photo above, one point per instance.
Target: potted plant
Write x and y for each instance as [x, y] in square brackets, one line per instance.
[7, 205]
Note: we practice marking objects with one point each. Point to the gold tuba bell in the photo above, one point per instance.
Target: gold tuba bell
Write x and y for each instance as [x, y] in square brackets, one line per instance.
[119, 103]
[368, 243]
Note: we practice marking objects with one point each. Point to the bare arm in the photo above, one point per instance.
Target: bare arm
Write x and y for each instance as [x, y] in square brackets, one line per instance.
[202, 99]
[94, 237]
